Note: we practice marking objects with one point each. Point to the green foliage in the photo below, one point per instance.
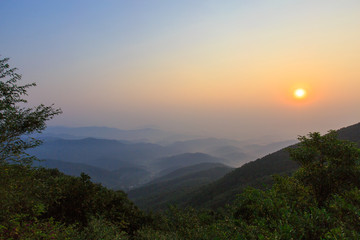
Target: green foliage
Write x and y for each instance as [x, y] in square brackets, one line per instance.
[100, 228]
[328, 165]
[189, 223]
[38, 196]
[16, 120]
[346, 208]
[19, 191]
[20, 227]
[321, 200]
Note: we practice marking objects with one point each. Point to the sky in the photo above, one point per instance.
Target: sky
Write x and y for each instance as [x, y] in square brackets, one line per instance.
[213, 68]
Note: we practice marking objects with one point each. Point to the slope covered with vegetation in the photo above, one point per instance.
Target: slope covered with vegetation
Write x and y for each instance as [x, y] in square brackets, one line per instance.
[171, 188]
[45, 203]
[119, 179]
[257, 174]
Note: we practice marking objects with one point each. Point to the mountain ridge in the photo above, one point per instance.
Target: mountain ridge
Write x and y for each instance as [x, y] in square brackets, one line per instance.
[255, 173]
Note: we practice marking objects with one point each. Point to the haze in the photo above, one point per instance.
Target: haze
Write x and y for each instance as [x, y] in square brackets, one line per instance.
[216, 68]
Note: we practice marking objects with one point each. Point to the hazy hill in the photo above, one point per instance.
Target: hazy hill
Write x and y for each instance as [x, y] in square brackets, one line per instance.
[234, 152]
[230, 150]
[174, 186]
[133, 164]
[113, 154]
[123, 178]
[181, 172]
[168, 164]
[201, 144]
[107, 154]
[114, 163]
[138, 135]
[235, 155]
[75, 169]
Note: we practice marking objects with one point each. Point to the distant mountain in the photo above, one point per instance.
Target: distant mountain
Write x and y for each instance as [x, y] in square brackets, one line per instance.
[235, 155]
[131, 177]
[137, 135]
[235, 152]
[107, 154]
[230, 150]
[181, 172]
[124, 165]
[201, 144]
[124, 178]
[173, 187]
[137, 163]
[168, 164]
[113, 154]
[97, 175]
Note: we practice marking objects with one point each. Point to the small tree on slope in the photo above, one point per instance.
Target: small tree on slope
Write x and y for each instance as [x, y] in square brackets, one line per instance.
[16, 120]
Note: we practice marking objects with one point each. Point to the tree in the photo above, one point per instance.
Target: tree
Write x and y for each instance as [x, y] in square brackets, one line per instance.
[328, 165]
[18, 122]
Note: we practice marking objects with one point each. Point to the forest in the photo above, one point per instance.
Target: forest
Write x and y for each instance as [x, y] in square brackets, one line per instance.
[318, 200]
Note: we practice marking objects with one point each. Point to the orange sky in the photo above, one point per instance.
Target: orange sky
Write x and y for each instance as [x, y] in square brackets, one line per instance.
[218, 68]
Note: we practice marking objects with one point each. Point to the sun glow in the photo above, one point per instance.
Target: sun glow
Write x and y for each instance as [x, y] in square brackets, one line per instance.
[300, 93]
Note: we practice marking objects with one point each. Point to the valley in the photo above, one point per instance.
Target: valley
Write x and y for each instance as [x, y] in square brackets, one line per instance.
[130, 163]
[205, 172]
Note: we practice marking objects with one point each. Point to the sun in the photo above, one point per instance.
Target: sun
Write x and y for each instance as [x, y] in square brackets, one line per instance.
[300, 93]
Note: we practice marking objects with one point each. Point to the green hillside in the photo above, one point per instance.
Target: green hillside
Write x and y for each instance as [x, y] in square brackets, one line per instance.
[350, 133]
[167, 165]
[174, 186]
[181, 172]
[256, 173]
[120, 179]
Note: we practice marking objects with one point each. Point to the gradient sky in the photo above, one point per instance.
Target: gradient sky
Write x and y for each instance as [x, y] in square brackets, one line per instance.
[217, 68]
